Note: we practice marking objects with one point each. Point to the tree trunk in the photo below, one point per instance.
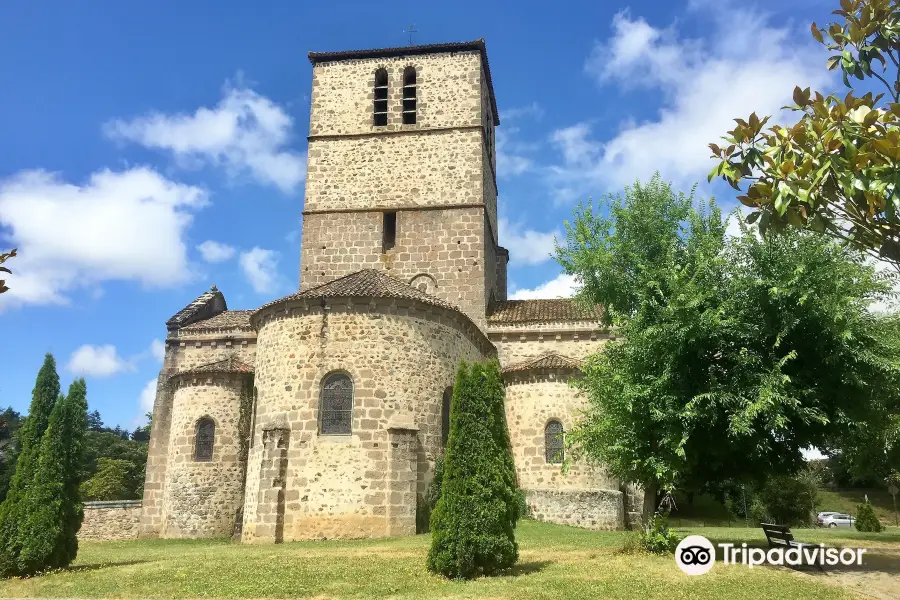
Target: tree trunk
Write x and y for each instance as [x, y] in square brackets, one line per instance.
[649, 503]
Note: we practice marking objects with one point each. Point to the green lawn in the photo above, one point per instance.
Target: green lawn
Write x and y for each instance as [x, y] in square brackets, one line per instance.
[556, 562]
[847, 500]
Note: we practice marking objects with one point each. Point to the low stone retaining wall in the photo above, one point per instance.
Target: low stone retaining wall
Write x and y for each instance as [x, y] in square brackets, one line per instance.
[591, 509]
[117, 520]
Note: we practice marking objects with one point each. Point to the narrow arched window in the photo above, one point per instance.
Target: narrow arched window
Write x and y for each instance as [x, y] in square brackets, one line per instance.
[205, 439]
[380, 111]
[445, 416]
[409, 96]
[337, 405]
[554, 443]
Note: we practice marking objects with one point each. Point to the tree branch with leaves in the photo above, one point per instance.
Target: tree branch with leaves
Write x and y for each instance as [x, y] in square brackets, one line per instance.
[837, 169]
[3, 258]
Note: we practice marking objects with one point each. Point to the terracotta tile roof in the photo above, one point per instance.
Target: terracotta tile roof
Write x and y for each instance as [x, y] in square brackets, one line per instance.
[548, 361]
[229, 319]
[206, 305]
[229, 365]
[318, 57]
[365, 283]
[512, 312]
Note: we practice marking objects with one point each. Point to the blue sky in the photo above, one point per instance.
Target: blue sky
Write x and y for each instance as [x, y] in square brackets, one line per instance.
[149, 150]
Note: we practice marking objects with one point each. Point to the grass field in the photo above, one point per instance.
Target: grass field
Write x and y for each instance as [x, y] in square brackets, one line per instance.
[555, 562]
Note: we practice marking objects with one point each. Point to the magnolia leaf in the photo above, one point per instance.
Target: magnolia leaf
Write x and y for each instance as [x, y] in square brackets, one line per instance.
[817, 35]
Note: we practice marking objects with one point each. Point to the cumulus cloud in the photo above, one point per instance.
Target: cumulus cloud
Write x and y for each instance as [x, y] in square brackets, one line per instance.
[260, 267]
[703, 84]
[158, 350]
[561, 286]
[245, 133]
[215, 252]
[148, 397]
[127, 225]
[98, 361]
[526, 246]
[532, 111]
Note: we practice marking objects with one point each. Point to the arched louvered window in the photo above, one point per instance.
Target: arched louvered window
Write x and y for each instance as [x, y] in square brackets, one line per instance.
[409, 96]
[380, 110]
[336, 409]
[554, 443]
[445, 416]
[205, 439]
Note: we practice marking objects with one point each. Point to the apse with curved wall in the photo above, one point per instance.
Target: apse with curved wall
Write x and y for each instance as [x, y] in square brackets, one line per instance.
[203, 492]
[357, 477]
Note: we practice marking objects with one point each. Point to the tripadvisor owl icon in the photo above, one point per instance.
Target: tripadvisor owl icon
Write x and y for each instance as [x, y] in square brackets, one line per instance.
[695, 555]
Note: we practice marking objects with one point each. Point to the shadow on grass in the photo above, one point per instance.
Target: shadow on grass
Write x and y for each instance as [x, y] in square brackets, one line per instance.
[98, 566]
[527, 568]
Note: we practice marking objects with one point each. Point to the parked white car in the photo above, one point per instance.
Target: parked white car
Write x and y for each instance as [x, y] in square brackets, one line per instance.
[836, 520]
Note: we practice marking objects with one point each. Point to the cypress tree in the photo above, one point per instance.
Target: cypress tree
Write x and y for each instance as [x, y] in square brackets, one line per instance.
[48, 534]
[473, 524]
[43, 399]
[866, 519]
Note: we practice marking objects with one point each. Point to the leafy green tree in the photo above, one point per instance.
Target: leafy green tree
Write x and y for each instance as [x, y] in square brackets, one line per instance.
[54, 512]
[473, 524]
[866, 520]
[99, 445]
[836, 169]
[43, 399]
[733, 358]
[786, 500]
[110, 482]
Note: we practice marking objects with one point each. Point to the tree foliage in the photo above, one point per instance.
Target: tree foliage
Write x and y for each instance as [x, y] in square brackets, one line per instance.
[10, 421]
[43, 399]
[110, 482]
[837, 169]
[734, 355]
[53, 514]
[472, 526]
[3, 258]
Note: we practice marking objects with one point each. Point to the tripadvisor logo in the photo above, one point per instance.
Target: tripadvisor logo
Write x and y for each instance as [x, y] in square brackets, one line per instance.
[696, 555]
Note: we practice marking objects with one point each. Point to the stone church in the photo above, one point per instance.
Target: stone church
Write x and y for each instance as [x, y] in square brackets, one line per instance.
[320, 414]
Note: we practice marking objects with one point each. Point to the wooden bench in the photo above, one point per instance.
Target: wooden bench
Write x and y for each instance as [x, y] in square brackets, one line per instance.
[781, 536]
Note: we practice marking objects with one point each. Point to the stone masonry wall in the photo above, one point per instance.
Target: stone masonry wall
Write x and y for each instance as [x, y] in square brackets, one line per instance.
[441, 168]
[183, 352]
[118, 520]
[532, 400]
[520, 344]
[202, 498]
[400, 358]
[447, 245]
[448, 93]
[599, 509]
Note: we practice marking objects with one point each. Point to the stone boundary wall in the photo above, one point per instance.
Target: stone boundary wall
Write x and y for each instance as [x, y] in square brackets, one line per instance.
[591, 509]
[116, 520]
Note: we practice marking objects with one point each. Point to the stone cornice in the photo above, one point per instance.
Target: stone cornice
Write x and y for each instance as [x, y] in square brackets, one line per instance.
[548, 332]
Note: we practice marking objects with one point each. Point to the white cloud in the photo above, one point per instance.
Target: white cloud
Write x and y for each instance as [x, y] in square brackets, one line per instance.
[260, 267]
[158, 350]
[533, 111]
[511, 159]
[562, 286]
[148, 397]
[244, 133]
[215, 252]
[526, 246]
[126, 225]
[745, 64]
[98, 361]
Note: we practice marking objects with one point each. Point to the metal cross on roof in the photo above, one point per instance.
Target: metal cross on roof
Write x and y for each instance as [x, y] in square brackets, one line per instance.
[411, 31]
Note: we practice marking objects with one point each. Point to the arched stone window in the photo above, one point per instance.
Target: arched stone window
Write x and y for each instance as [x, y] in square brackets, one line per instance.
[380, 109]
[554, 443]
[205, 439]
[409, 96]
[336, 409]
[445, 416]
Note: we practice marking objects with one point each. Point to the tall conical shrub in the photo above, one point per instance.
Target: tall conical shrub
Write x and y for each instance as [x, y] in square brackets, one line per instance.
[473, 524]
[53, 516]
[43, 398]
[866, 519]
